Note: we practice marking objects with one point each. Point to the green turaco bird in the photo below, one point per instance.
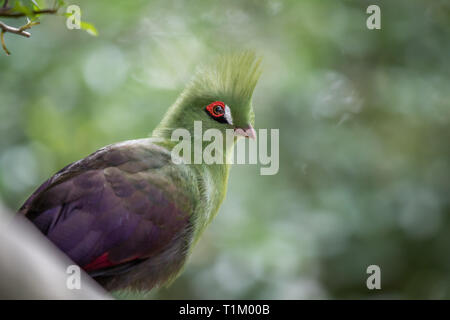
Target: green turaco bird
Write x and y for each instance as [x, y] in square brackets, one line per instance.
[128, 214]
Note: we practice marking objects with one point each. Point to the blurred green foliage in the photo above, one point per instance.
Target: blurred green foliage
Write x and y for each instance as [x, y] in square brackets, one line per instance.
[364, 134]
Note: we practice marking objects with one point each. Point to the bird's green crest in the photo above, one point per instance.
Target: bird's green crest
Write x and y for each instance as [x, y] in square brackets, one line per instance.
[231, 75]
[230, 78]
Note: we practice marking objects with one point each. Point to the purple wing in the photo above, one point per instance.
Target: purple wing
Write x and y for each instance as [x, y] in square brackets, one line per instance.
[118, 206]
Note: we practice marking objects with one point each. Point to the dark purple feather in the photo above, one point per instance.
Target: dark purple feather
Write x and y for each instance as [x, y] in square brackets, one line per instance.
[115, 210]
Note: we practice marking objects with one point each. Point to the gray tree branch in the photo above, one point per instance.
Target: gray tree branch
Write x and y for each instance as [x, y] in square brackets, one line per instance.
[20, 31]
[31, 267]
[9, 12]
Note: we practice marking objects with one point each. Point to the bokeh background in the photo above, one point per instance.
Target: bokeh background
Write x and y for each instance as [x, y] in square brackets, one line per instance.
[364, 134]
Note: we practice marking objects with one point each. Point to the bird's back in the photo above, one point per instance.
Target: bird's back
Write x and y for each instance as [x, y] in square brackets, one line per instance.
[124, 213]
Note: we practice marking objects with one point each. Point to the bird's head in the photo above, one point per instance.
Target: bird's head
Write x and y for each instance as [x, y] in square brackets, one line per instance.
[219, 95]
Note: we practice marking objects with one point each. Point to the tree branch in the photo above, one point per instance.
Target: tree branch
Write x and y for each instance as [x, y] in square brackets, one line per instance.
[9, 12]
[20, 31]
[31, 267]
[6, 12]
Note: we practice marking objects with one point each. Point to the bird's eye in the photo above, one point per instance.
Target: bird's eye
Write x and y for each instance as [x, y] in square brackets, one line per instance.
[216, 109]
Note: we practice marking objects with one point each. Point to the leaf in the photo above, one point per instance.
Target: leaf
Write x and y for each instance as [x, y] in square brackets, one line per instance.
[38, 4]
[19, 7]
[89, 28]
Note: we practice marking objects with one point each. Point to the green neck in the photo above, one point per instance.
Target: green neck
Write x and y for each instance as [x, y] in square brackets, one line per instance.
[178, 117]
[212, 178]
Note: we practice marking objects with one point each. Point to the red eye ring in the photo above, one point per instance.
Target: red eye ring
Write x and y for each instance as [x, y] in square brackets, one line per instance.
[216, 109]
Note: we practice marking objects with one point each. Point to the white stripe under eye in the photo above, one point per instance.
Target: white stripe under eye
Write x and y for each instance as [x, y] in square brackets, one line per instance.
[227, 115]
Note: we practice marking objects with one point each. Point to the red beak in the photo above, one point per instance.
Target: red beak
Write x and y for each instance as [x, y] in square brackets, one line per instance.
[248, 132]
